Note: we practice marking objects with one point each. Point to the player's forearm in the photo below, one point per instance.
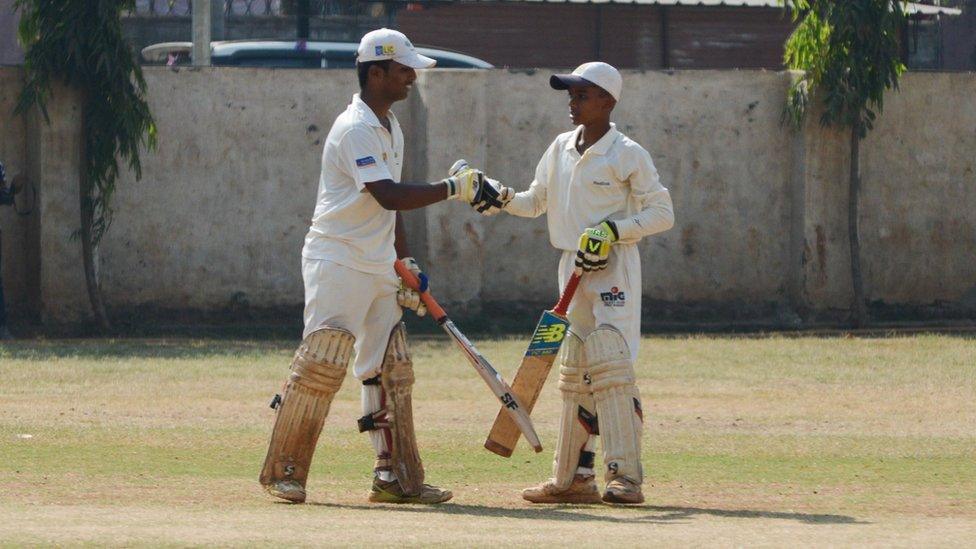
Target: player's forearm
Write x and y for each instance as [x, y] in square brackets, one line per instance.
[526, 204]
[400, 238]
[657, 217]
[406, 196]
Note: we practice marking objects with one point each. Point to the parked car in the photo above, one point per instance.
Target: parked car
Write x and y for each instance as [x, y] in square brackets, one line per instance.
[291, 53]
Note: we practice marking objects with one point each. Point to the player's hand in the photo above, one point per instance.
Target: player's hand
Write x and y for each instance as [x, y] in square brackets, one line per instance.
[503, 197]
[471, 186]
[409, 298]
[594, 246]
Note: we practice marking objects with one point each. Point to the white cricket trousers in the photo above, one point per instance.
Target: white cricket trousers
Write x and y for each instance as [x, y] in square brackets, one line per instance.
[611, 296]
[363, 303]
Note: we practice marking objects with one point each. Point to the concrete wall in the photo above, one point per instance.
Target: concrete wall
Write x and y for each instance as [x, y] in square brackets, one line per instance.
[219, 216]
[17, 232]
[10, 51]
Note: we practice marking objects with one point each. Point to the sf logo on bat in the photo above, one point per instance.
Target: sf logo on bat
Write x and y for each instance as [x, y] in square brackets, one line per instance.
[509, 401]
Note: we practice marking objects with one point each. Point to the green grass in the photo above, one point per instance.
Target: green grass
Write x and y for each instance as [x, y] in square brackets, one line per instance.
[878, 431]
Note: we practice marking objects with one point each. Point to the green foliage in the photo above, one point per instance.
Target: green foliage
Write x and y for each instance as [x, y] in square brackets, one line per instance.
[848, 53]
[80, 43]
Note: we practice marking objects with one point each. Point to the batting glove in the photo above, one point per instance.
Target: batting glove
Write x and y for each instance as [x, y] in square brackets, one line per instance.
[473, 187]
[409, 298]
[503, 197]
[594, 246]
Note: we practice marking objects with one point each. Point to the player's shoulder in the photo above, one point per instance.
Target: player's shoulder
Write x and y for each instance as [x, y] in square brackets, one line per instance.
[560, 141]
[629, 147]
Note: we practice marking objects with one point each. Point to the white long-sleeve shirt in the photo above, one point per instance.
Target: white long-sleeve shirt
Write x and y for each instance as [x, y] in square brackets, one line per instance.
[614, 179]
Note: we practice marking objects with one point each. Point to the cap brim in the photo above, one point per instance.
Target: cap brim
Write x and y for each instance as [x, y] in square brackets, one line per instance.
[416, 61]
[564, 81]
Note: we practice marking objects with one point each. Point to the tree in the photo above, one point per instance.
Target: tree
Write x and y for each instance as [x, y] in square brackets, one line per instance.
[80, 43]
[848, 53]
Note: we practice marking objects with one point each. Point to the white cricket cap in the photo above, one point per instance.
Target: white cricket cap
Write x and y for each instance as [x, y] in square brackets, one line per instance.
[384, 44]
[596, 73]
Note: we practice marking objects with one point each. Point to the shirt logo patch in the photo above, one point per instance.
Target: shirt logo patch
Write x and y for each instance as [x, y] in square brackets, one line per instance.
[388, 49]
[365, 161]
[602, 183]
[613, 298]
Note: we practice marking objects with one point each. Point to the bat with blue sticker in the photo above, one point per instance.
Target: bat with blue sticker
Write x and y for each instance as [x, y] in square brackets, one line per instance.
[532, 373]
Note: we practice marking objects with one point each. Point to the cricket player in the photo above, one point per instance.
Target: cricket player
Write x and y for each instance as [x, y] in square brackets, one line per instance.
[353, 297]
[602, 195]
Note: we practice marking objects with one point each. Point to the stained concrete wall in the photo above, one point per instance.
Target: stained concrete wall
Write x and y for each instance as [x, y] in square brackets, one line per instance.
[17, 232]
[220, 214]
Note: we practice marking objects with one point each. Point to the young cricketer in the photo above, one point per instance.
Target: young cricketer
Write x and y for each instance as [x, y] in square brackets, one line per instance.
[602, 195]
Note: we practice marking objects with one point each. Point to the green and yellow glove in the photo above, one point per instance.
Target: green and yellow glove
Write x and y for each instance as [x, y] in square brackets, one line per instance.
[594, 246]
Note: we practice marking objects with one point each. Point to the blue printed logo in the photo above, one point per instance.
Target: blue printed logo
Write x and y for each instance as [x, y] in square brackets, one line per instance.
[548, 336]
[365, 161]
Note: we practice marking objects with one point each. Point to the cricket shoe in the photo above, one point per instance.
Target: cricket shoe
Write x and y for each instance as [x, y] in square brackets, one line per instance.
[287, 489]
[581, 490]
[391, 492]
[623, 490]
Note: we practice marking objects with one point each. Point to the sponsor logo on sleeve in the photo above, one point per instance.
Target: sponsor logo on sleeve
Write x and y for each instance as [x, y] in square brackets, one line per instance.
[613, 298]
[365, 161]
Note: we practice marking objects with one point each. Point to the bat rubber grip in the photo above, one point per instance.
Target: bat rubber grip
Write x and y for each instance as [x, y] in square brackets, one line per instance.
[568, 292]
[413, 283]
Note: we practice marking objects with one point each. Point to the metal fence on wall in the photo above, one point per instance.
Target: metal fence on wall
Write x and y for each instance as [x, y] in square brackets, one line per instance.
[317, 8]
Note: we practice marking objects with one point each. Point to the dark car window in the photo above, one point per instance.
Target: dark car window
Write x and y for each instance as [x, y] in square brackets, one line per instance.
[340, 59]
[258, 58]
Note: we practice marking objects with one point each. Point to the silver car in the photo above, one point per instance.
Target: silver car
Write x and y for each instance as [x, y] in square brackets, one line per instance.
[292, 53]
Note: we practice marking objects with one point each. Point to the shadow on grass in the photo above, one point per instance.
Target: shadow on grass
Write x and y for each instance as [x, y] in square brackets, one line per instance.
[640, 514]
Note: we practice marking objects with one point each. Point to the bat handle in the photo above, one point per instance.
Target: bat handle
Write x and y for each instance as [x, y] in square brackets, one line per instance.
[568, 292]
[411, 281]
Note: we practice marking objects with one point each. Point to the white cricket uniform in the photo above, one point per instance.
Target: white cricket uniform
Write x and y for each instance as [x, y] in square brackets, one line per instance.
[347, 260]
[614, 179]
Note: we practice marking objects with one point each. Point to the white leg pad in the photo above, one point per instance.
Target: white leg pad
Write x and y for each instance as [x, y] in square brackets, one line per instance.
[577, 421]
[617, 402]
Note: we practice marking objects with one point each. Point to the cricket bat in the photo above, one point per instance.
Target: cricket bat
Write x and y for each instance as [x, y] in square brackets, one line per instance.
[532, 373]
[514, 410]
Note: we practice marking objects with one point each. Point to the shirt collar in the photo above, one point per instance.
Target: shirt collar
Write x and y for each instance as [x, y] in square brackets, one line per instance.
[601, 146]
[366, 113]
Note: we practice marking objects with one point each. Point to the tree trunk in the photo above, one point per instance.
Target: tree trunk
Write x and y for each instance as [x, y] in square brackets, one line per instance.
[859, 316]
[89, 250]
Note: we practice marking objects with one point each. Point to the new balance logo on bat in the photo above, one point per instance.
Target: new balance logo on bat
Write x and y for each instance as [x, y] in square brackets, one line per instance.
[552, 333]
[549, 334]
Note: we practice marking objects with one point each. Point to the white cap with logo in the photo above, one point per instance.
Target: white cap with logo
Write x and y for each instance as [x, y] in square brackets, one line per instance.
[596, 73]
[384, 44]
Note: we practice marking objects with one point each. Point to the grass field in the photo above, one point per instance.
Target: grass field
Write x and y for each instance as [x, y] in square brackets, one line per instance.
[748, 441]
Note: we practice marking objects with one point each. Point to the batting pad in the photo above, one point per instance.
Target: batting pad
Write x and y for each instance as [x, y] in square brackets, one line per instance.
[617, 402]
[397, 378]
[317, 372]
[577, 419]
